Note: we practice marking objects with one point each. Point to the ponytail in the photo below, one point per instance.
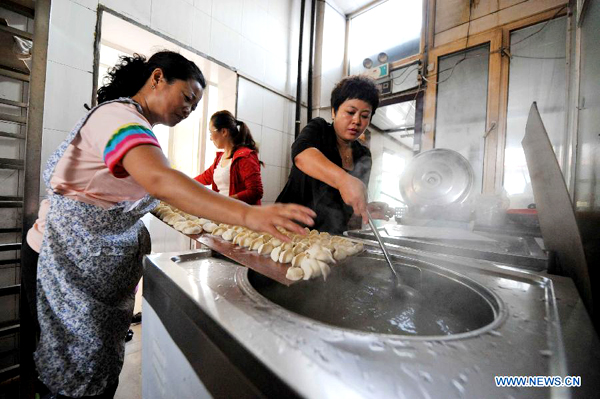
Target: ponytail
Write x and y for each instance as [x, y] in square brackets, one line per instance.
[238, 131]
[131, 73]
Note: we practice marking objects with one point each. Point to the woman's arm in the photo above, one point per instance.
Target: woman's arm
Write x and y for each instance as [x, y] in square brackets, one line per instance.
[248, 169]
[353, 191]
[149, 167]
[206, 177]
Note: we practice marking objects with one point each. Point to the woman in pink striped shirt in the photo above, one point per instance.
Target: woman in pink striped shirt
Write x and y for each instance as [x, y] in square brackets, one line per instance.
[102, 179]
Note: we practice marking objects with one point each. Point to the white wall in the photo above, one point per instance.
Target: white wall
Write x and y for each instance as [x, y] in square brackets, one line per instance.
[257, 37]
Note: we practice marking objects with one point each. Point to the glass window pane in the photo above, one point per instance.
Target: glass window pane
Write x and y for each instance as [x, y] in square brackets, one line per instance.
[587, 182]
[537, 73]
[462, 106]
[392, 137]
[392, 27]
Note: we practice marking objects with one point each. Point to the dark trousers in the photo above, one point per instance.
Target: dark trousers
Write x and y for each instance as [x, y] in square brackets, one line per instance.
[29, 384]
[108, 394]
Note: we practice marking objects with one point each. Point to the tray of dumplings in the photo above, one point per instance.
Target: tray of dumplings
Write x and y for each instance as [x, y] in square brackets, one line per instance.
[303, 258]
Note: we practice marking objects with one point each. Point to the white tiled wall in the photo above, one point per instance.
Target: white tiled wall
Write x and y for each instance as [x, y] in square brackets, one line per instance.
[270, 118]
[257, 37]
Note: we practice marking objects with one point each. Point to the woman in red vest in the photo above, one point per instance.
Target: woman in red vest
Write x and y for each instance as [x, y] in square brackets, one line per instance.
[236, 170]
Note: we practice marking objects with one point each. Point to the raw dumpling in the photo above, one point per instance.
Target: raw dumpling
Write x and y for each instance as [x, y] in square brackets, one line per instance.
[286, 256]
[219, 231]
[192, 229]
[296, 260]
[210, 227]
[256, 243]
[229, 234]
[294, 273]
[174, 218]
[316, 251]
[275, 253]
[265, 249]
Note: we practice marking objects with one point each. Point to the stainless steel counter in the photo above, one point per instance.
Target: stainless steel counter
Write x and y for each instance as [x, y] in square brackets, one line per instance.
[259, 349]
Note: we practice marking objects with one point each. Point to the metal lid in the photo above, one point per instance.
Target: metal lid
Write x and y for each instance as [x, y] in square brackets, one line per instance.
[437, 177]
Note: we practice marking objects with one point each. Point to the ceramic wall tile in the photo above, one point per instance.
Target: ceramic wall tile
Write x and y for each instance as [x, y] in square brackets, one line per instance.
[67, 90]
[89, 4]
[204, 5]
[225, 44]
[229, 13]
[276, 73]
[271, 146]
[174, 18]
[201, 31]
[254, 22]
[252, 59]
[72, 34]
[273, 110]
[138, 10]
[250, 101]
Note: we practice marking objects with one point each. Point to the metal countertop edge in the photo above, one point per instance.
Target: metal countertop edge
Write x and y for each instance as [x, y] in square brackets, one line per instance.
[201, 340]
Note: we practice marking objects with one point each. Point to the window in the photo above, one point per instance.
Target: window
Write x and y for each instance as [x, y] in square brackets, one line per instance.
[392, 138]
[462, 106]
[392, 27]
[537, 73]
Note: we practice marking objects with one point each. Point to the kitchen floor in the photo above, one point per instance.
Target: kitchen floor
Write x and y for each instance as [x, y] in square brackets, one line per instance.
[130, 380]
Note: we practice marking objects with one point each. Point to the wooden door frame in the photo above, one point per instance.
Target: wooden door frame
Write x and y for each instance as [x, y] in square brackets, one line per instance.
[497, 94]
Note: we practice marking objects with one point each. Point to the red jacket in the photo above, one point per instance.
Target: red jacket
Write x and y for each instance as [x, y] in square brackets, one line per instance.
[244, 176]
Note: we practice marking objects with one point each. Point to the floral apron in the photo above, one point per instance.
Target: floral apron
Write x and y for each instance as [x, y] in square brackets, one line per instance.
[89, 265]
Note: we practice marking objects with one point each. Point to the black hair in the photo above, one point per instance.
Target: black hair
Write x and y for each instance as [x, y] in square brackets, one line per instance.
[131, 73]
[238, 131]
[355, 87]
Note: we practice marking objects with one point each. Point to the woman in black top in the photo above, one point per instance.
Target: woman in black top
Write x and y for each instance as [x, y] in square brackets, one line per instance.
[331, 168]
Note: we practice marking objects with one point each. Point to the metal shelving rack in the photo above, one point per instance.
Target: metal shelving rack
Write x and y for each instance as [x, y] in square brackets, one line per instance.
[21, 203]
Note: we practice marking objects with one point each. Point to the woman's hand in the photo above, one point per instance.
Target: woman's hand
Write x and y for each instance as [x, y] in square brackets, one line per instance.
[354, 193]
[266, 218]
[380, 210]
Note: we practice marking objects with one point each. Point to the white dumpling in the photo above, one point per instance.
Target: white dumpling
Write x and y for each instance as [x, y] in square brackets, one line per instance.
[296, 260]
[316, 251]
[306, 269]
[265, 249]
[180, 225]
[247, 241]
[294, 273]
[192, 229]
[286, 256]
[237, 240]
[210, 227]
[325, 269]
[299, 248]
[229, 234]
[256, 243]
[275, 253]
[276, 242]
[219, 231]
[174, 219]
[340, 254]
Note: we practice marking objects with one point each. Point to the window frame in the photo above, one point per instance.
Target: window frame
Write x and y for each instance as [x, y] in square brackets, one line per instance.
[497, 101]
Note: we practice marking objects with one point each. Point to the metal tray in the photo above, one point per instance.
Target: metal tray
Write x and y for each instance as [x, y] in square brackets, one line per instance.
[523, 252]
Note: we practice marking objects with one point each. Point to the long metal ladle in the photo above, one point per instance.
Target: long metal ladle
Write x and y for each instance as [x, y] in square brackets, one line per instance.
[399, 287]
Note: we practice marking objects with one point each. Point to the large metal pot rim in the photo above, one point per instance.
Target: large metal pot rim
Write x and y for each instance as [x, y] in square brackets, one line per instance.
[494, 301]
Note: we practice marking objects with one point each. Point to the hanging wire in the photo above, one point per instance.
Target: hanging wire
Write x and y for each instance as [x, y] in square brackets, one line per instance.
[501, 50]
[407, 75]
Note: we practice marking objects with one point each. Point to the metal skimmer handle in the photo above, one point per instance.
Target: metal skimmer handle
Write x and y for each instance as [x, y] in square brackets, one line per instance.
[382, 245]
